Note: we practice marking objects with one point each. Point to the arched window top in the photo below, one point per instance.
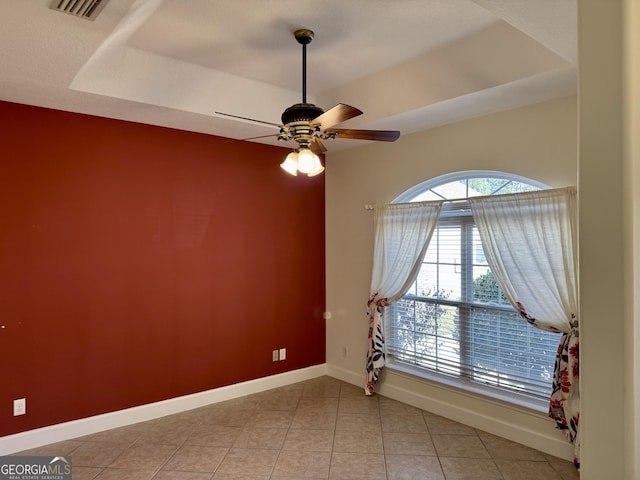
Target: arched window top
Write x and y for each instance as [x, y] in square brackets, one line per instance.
[470, 183]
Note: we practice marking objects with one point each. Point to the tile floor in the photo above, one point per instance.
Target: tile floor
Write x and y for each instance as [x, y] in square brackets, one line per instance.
[318, 429]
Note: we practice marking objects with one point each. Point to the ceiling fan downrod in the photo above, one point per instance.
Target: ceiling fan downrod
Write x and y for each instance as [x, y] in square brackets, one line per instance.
[304, 37]
[300, 114]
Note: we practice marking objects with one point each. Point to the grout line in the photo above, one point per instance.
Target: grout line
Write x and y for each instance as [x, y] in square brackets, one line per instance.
[435, 450]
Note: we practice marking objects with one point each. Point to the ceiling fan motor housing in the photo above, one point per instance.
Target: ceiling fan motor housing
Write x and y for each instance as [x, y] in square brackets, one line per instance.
[301, 112]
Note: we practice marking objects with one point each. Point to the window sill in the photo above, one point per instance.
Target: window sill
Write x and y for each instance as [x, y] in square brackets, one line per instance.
[521, 403]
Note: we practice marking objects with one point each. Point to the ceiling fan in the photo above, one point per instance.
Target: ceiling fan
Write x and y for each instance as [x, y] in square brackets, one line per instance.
[308, 124]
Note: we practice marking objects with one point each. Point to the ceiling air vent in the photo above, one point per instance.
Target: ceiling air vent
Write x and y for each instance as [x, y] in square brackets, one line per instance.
[87, 9]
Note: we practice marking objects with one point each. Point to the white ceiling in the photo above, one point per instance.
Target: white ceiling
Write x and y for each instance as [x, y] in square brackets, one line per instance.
[407, 64]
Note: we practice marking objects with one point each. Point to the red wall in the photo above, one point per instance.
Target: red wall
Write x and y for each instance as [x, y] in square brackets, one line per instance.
[140, 263]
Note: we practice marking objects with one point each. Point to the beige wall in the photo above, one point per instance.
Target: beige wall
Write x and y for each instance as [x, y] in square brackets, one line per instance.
[609, 155]
[538, 142]
[608, 202]
[632, 277]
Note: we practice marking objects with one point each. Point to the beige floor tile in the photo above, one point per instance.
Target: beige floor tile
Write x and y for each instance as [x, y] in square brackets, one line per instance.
[393, 407]
[228, 476]
[550, 458]
[357, 442]
[86, 473]
[287, 391]
[285, 401]
[469, 469]
[97, 454]
[308, 440]
[358, 422]
[128, 474]
[128, 434]
[318, 429]
[465, 446]
[61, 449]
[501, 448]
[566, 470]
[195, 415]
[329, 404]
[403, 423]
[396, 443]
[526, 470]
[348, 390]
[178, 421]
[293, 464]
[269, 438]
[165, 435]
[295, 387]
[214, 436]
[441, 425]
[196, 458]
[270, 419]
[357, 466]
[244, 403]
[144, 457]
[314, 419]
[412, 467]
[322, 387]
[227, 417]
[359, 404]
[177, 475]
[248, 462]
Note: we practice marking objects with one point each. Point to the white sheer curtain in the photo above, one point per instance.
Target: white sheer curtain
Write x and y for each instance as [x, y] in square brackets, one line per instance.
[402, 235]
[529, 240]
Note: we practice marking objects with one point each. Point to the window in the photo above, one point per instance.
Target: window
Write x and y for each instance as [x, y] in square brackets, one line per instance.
[454, 321]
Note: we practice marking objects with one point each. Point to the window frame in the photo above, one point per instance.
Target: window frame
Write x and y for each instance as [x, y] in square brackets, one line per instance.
[460, 384]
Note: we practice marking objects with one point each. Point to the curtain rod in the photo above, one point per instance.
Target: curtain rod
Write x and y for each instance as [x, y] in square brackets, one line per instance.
[370, 206]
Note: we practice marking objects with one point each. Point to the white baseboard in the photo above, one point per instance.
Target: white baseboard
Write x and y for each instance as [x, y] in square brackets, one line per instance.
[86, 426]
[538, 433]
[348, 376]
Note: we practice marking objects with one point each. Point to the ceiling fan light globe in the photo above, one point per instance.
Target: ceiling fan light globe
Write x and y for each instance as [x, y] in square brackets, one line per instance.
[317, 168]
[290, 164]
[316, 171]
[307, 160]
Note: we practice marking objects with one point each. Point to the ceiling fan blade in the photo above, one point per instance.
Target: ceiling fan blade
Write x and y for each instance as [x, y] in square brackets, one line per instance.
[250, 119]
[261, 136]
[379, 135]
[317, 147]
[338, 114]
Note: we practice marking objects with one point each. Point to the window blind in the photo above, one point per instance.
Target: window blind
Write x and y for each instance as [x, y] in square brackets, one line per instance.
[455, 321]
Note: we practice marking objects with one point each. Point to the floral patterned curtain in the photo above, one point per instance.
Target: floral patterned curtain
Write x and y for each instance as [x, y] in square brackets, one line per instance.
[530, 242]
[402, 235]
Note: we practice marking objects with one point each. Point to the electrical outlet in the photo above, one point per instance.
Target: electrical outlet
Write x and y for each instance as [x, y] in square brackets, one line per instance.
[345, 351]
[19, 407]
[283, 354]
[274, 355]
